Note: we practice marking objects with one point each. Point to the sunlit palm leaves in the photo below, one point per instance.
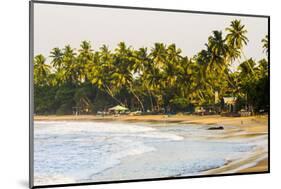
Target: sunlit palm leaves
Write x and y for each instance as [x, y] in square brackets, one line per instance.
[41, 70]
[160, 74]
[236, 37]
[57, 58]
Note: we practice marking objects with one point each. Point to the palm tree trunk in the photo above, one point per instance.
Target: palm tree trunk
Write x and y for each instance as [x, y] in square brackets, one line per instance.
[247, 62]
[111, 94]
[138, 99]
[150, 98]
[157, 104]
[151, 101]
[201, 96]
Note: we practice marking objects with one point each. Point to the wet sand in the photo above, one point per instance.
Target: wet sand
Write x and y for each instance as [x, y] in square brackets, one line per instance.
[245, 127]
[250, 124]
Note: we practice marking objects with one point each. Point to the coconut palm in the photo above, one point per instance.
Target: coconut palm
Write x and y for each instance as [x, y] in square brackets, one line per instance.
[161, 77]
[247, 78]
[124, 62]
[158, 55]
[203, 59]
[236, 39]
[172, 59]
[185, 72]
[265, 44]
[173, 53]
[141, 60]
[246, 67]
[100, 71]
[218, 50]
[84, 58]
[57, 58]
[41, 70]
[217, 69]
[141, 68]
[69, 59]
[86, 48]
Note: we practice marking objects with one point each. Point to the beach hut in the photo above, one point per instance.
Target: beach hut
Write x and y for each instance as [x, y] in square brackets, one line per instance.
[118, 109]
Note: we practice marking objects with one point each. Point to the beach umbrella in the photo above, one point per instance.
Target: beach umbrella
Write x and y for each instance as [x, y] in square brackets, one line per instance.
[118, 108]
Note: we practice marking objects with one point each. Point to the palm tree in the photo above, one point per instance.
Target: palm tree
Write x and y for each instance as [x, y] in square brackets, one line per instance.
[203, 59]
[185, 72]
[141, 68]
[57, 58]
[41, 70]
[246, 68]
[69, 59]
[173, 53]
[86, 48]
[161, 75]
[218, 50]
[236, 39]
[201, 77]
[172, 59]
[124, 62]
[57, 62]
[84, 58]
[217, 53]
[247, 77]
[100, 72]
[265, 44]
[158, 55]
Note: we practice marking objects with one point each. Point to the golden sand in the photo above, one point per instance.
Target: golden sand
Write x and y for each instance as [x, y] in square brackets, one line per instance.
[251, 126]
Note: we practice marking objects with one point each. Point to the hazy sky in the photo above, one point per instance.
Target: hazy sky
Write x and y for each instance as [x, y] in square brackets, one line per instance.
[58, 25]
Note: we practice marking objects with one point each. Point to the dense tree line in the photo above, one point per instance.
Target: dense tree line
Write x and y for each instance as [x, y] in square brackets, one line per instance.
[157, 79]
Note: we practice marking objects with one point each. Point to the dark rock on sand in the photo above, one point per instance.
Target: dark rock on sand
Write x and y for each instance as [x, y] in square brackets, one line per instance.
[216, 128]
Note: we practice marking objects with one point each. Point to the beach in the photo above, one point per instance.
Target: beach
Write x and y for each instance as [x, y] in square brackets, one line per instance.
[252, 124]
[156, 145]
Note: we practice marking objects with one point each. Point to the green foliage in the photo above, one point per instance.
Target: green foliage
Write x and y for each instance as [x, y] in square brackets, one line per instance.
[179, 103]
[151, 79]
[255, 85]
[44, 100]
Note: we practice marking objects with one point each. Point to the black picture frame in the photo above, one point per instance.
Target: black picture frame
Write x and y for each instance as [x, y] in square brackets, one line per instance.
[31, 102]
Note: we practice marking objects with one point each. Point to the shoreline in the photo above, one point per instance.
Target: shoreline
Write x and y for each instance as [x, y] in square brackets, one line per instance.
[249, 126]
[255, 163]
